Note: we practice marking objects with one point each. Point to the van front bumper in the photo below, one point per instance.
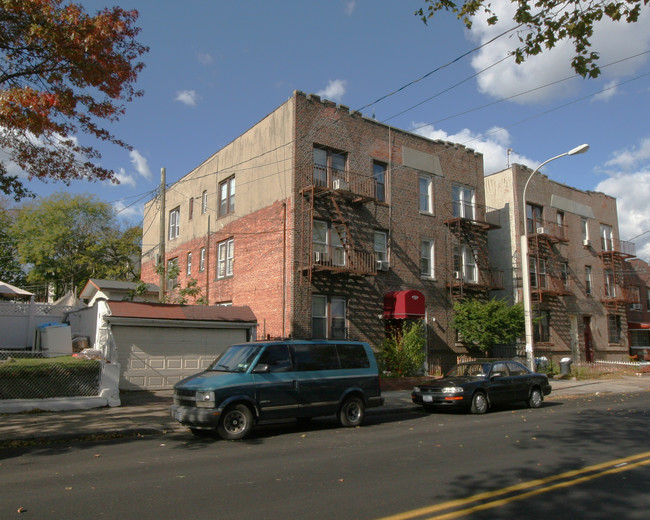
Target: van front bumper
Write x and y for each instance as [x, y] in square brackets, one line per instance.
[196, 417]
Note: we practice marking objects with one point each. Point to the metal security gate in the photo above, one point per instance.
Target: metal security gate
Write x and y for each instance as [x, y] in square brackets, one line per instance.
[155, 358]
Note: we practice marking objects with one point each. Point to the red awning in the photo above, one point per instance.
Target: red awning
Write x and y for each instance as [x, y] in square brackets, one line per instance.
[404, 304]
[637, 326]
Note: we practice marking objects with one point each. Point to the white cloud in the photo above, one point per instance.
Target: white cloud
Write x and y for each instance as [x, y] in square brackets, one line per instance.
[124, 178]
[493, 144]
[349, 7]
[608, 92]
[131, 212]
[140, 164]
[187, 97]
[334, 91]
[630, 158]
[205, 58]
[612, 40]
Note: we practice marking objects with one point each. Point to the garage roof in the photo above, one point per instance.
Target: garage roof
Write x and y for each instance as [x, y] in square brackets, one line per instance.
[166, 311]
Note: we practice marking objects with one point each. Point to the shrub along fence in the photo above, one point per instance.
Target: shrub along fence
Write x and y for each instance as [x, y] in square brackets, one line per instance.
[28, 375]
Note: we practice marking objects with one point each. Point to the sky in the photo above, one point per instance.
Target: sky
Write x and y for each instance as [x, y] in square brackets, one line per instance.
[215, 68]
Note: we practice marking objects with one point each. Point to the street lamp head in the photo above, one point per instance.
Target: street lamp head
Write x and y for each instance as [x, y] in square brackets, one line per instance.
[578, 149]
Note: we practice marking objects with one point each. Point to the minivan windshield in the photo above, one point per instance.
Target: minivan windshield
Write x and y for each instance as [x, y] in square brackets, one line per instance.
[237, 358]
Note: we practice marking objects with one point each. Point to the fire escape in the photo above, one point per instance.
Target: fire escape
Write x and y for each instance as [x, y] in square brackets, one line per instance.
[548, 268]
[330, 196]
[617, 289]
[472, 275]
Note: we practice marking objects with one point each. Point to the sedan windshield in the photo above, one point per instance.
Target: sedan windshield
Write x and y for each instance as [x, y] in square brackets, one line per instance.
[469, 370]
[236, 359]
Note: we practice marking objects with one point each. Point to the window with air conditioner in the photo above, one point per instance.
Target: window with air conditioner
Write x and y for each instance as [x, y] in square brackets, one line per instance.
[381, 251]
[329, 166]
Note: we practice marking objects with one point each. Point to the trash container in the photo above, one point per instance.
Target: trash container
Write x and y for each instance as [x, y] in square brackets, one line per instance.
[565, 366]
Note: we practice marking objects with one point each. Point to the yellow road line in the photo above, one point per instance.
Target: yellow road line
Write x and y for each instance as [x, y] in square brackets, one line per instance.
[545, 485]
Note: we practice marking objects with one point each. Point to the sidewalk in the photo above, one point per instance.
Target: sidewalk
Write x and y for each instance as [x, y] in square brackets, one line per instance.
[147, 413]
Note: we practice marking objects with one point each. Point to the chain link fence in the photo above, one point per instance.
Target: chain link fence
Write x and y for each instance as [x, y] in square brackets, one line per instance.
[29, 375]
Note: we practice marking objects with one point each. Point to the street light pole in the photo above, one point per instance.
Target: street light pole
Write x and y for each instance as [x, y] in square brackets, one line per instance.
[525, 265]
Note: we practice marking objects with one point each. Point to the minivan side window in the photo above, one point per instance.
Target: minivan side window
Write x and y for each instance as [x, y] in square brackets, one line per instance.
[315, 357]
[353, 356]
[277, 357]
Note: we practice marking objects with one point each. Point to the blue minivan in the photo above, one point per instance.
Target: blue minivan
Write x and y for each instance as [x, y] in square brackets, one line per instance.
[269, 380]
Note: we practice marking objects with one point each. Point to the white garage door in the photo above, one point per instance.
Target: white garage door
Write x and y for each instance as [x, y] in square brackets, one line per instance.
[154, 358]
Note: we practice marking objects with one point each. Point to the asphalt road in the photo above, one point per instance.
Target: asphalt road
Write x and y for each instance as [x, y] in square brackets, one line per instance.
[576, 458]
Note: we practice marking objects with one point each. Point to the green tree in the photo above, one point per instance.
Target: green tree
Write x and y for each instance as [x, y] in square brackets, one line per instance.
[402, 352]
[10, 269]
[66, 239]
[542, 24]
[62, 72]
[485, 324]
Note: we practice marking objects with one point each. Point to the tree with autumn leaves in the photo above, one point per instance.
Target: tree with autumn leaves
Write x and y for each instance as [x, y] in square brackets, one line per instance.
[63, 72]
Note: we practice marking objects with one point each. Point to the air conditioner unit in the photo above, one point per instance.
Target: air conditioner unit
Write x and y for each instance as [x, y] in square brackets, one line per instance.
[382, 265]
[586, 243]
[340, 184]
[635, 307]
[321, 257]
[542, 231]
[457, 275]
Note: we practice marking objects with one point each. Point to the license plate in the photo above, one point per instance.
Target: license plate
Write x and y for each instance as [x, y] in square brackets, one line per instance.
[427, 398]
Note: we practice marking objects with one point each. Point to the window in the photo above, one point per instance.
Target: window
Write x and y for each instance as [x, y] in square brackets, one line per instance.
[189, 264]
[647, 299]
[328, 243]
[614, 328]
[328, 317]
[584, 229]
[202, 260]
[516, 369]
[174, 223]
[381, 249]
[328, 166]
[564, 274]
[190, 209]
[227, 197]
[172, 274]
[610, 284]
[463, 202]
[606, 238]
[542, 273]
[465, 263]
[427, 259]
[542, 326]
[533, 218]
[352, 356]
[225, 252]
[379, 174]
[277, 357]
[204, 201]
[588, 284]
[426, 194]
[559, 220]
[533, 273]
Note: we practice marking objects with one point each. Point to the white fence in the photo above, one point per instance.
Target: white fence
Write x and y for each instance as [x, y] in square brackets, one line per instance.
[19, 321]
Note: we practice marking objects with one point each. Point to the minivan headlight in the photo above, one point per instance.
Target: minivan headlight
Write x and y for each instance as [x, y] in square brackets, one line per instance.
[204, 399]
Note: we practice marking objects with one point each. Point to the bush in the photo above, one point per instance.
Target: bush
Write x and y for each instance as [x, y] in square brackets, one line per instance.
[402, 353]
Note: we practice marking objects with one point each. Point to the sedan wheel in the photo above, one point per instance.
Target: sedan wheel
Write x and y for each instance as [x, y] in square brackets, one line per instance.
[535, 399]
[479, 403]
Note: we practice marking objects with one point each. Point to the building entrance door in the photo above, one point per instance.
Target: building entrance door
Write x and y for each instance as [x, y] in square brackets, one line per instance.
[589, 342]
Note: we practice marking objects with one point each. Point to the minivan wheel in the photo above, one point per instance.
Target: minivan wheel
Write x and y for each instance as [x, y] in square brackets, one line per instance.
[479, 403]
[236, 422]
[535, 399]
[352, 412]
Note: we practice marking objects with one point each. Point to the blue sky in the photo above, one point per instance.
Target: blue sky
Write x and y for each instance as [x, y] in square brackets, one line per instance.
[215, 68]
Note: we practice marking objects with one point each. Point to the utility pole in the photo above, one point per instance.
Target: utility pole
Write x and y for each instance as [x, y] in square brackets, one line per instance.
[161, 264]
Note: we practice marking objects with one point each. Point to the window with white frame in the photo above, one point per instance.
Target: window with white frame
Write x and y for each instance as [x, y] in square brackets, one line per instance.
[202, 260]
[465, 263]
[584, 229]
[426, 194]
[189, 264]
[174, 223]
[427, 257]
[463, 199]
[532, 266]
[610, 284]
[564, 274]
[328, 317]
[381, 247]
[204, 201]
[227, 197]
[172, 274]
[606, 238]
[327, 243]
[588, 280]
[225, 257]
[329, 166]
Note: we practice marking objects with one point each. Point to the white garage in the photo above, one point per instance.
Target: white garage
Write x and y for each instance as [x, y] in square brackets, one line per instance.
[156, 345]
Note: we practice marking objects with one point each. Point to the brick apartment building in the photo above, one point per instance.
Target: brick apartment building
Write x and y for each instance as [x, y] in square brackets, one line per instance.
[329, 224]
[580, 286]
[639, 310]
